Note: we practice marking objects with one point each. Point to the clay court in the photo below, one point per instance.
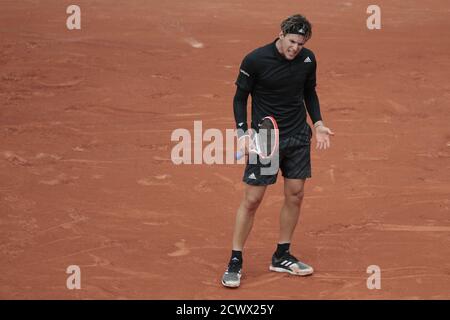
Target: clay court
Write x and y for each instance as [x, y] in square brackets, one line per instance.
[86, 176]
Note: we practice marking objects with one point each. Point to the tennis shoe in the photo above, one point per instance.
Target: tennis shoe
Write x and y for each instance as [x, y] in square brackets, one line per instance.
[290, 264]
[232, 276]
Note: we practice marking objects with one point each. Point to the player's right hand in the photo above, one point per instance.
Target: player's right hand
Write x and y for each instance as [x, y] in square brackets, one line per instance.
[243, 144]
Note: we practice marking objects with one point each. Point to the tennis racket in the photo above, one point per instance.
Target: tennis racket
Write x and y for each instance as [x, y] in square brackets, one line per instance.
[264, 141]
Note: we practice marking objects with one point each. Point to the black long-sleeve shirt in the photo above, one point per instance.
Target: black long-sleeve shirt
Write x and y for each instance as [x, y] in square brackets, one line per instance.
[279, 87]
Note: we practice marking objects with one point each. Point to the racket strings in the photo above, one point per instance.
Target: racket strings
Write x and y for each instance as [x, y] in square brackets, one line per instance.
[266, 138]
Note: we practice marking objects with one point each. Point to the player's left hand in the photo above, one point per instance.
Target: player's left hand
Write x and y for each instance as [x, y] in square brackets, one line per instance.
[323, 137]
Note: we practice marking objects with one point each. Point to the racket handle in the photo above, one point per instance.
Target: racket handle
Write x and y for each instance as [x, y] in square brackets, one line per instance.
[239, 155]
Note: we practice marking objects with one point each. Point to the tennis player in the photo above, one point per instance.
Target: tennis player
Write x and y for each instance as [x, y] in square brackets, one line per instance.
[281, 79]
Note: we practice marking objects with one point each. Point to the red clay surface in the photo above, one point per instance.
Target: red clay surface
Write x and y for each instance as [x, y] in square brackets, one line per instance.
[85, 171]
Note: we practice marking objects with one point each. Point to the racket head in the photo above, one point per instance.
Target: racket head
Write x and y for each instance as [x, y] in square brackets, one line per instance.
[267, 139]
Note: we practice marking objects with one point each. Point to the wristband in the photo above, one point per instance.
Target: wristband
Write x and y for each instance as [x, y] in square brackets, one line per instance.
[318, 124]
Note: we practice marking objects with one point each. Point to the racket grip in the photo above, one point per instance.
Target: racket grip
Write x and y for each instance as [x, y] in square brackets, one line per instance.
[239, 155]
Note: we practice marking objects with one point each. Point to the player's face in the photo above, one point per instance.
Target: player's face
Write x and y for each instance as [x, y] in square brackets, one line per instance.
[291, 44]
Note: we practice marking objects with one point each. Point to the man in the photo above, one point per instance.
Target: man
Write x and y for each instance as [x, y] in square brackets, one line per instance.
[281, 78]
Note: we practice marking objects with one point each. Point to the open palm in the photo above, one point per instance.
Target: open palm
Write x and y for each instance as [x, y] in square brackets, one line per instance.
[323, 137]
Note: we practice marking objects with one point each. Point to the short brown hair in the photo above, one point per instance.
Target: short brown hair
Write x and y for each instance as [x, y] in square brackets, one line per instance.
[297, 24]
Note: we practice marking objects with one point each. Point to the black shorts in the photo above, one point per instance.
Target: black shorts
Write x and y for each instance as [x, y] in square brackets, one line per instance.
[294, 162]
